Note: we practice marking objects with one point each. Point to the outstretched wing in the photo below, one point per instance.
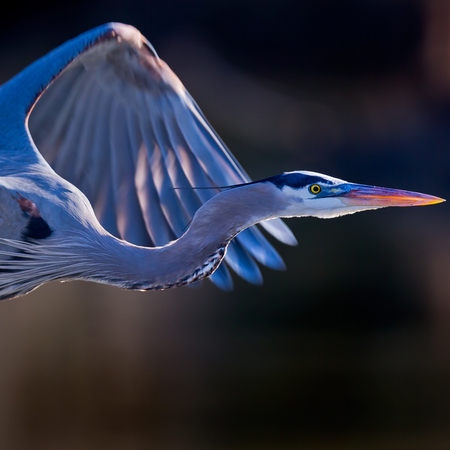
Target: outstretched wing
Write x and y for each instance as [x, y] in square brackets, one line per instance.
[118, 123]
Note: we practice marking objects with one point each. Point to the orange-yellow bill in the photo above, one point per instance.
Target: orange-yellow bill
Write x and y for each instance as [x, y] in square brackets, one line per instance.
[361, 195]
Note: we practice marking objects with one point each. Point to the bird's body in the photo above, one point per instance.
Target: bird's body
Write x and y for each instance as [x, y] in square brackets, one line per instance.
[89, 188]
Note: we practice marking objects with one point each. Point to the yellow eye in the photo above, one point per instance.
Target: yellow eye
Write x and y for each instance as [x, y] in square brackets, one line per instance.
[315, 189]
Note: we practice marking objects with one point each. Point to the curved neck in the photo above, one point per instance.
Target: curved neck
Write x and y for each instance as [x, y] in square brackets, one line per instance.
[197, 253]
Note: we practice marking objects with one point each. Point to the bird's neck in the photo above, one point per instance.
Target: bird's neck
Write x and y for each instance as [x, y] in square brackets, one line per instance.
[197, 253]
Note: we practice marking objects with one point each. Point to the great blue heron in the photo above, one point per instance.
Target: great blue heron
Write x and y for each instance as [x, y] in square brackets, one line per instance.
[118, 134]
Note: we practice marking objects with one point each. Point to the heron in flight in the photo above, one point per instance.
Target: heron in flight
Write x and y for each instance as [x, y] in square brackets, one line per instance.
[101, 152]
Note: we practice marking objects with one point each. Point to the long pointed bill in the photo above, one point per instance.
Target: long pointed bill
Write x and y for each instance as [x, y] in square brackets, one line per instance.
[361, 195]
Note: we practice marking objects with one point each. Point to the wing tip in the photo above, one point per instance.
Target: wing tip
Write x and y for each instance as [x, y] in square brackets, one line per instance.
[130, 34]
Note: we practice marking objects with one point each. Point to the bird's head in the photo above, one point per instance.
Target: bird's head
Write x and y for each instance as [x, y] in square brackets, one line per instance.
[314, 194]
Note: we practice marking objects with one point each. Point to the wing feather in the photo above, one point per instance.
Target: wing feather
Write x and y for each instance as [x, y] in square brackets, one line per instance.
[130, 223]
[169, 200]
[222, 278]
[96, 162]
[242, 263]
[70, 138]
[119, 125]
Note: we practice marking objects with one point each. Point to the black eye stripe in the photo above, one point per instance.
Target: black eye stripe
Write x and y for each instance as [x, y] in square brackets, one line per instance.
[296, 180]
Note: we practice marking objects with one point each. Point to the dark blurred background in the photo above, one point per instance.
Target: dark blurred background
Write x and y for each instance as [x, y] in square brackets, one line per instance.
[347, 349]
